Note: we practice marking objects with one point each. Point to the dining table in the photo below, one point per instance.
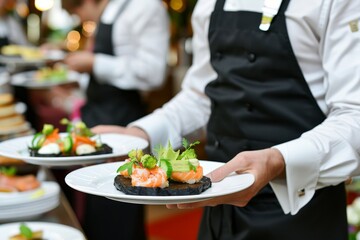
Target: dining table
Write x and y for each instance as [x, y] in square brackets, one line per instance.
[63, 213]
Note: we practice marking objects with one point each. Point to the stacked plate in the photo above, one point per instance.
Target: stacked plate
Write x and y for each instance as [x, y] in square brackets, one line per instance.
[25, 205]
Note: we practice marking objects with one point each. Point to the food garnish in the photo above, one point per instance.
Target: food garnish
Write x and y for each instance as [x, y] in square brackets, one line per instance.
[27, 234]
[57, 73]
[8, 171]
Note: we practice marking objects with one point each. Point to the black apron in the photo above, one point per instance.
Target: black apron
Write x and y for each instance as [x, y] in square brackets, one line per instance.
[261, 99]
[4, 41]
[104, 218]
[107, 104]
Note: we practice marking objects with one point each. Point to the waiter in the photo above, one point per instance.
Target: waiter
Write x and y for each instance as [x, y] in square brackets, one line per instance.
[278, 102]
[126, 58]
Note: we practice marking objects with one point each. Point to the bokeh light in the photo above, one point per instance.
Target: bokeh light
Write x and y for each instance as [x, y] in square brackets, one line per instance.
[88, 28]
[177, 5]
[44, 5]
[73, 40]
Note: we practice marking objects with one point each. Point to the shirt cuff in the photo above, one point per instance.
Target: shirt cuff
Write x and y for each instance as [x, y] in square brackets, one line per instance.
[302, 161]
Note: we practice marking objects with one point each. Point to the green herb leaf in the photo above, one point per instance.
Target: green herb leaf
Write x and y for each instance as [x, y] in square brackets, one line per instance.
[194, 143]
[127, 166]
[189, 152]
[185, 143]
[9, 171]
[25, 231]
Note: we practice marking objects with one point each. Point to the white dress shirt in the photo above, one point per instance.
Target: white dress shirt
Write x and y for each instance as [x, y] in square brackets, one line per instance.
[325, 36]
[11, 28]
[141, 39]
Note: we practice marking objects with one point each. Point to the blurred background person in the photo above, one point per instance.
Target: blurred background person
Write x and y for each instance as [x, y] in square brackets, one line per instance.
[128, 54]
[11, 30]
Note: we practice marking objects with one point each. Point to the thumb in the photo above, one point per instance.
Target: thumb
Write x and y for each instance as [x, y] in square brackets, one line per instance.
[221, 172]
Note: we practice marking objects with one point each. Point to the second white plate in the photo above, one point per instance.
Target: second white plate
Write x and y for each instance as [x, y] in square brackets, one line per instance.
[18, 148]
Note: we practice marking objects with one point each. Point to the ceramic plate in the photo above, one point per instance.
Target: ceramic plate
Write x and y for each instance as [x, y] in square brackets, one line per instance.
[51, 231]
[17, 206]
[99, 180]
[51, 55]
[19, 61]
[28, 80]
[18, 148]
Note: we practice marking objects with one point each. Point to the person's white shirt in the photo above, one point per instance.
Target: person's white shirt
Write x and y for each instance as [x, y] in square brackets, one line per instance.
[11, 28]
[141, 39]
[325, 37]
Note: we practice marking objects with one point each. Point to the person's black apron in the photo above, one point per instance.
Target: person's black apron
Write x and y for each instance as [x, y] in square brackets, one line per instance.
[104, 218]
[4, 41]
[107, 104]
[261, 99]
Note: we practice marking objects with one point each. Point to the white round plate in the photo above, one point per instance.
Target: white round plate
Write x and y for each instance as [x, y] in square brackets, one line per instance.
[28, 80]
[51, 231]
[121, 144]
[19, 61]
[24, 205]
[27, 213]
[45, 191]
[99, 180]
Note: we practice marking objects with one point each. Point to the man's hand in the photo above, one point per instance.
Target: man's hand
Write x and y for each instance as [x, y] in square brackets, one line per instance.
[265, 165]
[80, 61]
[133, 131]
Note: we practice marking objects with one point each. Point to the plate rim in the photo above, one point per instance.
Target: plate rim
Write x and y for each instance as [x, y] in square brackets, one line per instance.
[31, 84]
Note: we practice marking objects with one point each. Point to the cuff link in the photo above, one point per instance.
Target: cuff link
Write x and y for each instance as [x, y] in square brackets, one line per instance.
[301, 192]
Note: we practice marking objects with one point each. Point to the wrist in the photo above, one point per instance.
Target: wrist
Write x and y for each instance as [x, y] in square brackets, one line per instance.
[139, 132]
[278, 163]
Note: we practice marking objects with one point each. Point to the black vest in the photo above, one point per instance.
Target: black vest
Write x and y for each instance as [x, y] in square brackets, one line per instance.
[107, 104]
[4, 41]
[261, 99]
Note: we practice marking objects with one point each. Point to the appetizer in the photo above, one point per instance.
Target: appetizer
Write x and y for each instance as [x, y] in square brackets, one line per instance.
[77, 141]
[27, 234]
[10, 182]
[169, 173]
[57, 73]
[26, 52]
